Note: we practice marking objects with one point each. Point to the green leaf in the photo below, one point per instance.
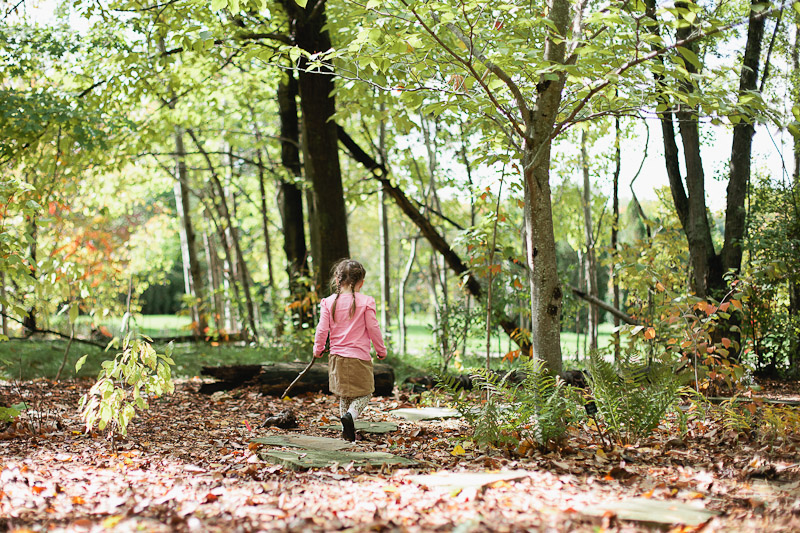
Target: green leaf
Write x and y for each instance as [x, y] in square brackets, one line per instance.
[796, 7]
[691, 57]
[80, 362]
[302, 3]
[216, 5]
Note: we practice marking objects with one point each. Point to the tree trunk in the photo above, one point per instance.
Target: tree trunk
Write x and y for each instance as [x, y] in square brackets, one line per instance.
[741, 149]
[3, 319]
[401, 304]
[383, 214]
[615, 232]
[195, 284]
[794, 283]
[591, 262]
[30, 319]
[545, 287]
[212, 262]
[320, 144]
[265, 218]
[291, 196]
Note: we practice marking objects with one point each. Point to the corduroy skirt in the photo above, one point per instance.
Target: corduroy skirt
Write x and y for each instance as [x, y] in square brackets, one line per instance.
[350, 377]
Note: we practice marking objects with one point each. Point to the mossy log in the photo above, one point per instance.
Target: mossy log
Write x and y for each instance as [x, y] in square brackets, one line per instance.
[273, 378]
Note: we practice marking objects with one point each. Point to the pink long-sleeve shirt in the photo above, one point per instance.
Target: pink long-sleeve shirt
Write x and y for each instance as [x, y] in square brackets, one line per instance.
[350, 337]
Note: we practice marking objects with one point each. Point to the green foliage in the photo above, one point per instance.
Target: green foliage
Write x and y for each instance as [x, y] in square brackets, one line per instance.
[632, 398]
[9, 414]
[124, 385]
[537, 410]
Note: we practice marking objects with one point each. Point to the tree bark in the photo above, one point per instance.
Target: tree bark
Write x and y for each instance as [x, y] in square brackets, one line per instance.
[383, 214]
[741, 149]
[3, 319]
[401, 304]
[615, 231]
[320, 145]
[291, 196]
[545, 287]
[212, 263]
[264, 218]
[195, 281]
[591, 261]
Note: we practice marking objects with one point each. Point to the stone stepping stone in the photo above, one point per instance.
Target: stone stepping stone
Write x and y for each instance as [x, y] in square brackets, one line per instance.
[425, 413]
[305, 459]
[658, 511]
[367, 427]
[305, 442]
[454, 481]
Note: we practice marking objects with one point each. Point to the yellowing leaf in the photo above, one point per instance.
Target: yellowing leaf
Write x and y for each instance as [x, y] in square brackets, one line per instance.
[737, 304]
[458, 450]
[112, 521]
[660, 287]
[650, 333]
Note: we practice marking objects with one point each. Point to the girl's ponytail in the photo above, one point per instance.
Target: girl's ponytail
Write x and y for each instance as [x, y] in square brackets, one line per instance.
[350, 273]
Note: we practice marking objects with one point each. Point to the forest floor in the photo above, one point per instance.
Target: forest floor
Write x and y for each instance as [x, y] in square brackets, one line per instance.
[188, 465]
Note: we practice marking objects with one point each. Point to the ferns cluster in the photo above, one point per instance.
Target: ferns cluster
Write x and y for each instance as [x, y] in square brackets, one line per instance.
[536, 410]
[632, 398]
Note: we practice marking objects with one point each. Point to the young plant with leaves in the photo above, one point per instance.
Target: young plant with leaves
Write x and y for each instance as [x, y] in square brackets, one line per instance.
[125, 384]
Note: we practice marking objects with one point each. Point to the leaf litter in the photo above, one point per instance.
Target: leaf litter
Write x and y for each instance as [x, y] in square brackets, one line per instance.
[190, 464]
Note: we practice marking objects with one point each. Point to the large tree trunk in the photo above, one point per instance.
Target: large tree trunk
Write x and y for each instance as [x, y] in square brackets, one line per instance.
[708, 267]
[291, 196]
[591, 261]
[741, 149]
[320, 144]
[545, 287]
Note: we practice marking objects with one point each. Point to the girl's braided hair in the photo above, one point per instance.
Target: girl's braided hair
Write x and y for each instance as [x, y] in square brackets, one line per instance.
[347, 273]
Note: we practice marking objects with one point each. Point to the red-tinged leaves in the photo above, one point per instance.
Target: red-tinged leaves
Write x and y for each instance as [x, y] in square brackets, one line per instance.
[650, 333]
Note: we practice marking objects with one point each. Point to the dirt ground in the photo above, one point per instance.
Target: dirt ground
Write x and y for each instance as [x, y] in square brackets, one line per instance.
[188, 465]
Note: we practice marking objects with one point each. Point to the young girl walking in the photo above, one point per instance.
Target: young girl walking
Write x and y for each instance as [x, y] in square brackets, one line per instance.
[349, 318]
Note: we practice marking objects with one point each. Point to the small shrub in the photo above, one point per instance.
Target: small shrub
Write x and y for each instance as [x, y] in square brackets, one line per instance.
[632, 398]
[124, 384]
[535, 411]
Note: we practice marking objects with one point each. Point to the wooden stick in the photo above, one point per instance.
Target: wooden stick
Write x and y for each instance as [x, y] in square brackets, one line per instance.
[299, 377]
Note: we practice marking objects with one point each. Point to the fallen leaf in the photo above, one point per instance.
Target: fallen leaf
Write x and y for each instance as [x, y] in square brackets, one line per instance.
[112, 521]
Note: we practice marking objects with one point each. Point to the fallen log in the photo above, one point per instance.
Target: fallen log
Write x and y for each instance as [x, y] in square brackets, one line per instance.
[273, 378]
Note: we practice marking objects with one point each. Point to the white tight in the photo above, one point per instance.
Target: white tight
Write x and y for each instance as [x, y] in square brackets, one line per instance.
[354, 405]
